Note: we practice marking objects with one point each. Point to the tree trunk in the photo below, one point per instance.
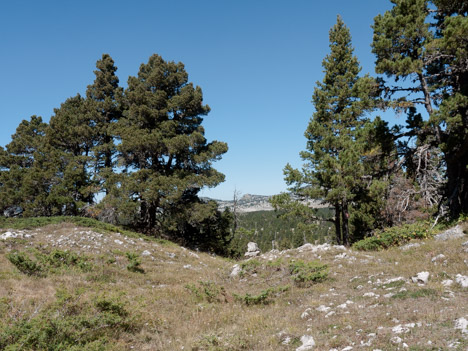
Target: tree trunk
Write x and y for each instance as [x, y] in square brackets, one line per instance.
[338, 224]
[345, 223]
[457, 188]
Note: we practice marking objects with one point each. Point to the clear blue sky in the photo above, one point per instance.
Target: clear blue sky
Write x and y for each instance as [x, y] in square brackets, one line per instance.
[256, 61]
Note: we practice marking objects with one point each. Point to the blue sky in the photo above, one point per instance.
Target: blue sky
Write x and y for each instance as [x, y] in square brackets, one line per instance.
[256, 61]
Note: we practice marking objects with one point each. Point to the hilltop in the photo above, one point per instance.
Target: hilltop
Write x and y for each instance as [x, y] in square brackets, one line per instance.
[90, 287]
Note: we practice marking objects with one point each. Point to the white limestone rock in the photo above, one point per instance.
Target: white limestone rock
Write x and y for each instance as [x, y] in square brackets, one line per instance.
[308, 343]
[462, 280]
[462, 324]
[421, 278]
[236, 269]
[252, 250]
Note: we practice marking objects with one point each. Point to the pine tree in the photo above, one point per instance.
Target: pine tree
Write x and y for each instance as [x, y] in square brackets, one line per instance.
[426, 47]
[336, 169]
[162, 146]
[70, 140]
[22, 184]
[104, 99]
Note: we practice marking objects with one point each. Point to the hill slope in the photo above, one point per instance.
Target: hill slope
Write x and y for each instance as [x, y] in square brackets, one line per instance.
[65, 287]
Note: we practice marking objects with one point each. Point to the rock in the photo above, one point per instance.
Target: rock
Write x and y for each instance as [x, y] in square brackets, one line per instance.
[452, 233]
[235, 270]
[308, 343]
[146, 253]
[462, 280]
[439, 257]
[117, 241]
[322, 308]
[306, 313]
[447, 282]
[371, 294]
[421, 278]
[396, 340]
[462, 324]
[252, 250]
[8, 235]
[409, 246]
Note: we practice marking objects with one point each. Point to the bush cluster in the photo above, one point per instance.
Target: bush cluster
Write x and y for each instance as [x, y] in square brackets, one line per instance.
[395, 236]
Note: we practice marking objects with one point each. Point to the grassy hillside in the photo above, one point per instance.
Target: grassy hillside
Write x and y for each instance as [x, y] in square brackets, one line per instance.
[86, 286]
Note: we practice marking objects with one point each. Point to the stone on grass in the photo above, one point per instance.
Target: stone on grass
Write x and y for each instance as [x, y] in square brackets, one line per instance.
[462, 280]
[462, 324]
[447, 282]
[235, 270]
[452, 233]
[252, 250]
[421, 278]
[308, 343]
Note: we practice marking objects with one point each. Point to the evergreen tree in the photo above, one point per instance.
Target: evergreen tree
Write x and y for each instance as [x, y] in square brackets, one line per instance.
[337, 170]
[22, 183]
[104, 103]
[70, 140]
[162, 146]
[424, 43]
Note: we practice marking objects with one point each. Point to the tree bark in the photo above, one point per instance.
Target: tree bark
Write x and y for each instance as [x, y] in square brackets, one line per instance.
[338, 224]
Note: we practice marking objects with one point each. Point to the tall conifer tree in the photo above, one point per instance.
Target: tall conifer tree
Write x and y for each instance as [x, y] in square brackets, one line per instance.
[337, 142]
[163, 148]
[104, 104]
[424, 43]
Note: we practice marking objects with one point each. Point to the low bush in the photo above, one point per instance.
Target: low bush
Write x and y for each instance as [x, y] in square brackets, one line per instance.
[24, 264]
[264, 298]
[48, 262]
[305, 273]
[207, 291]
[68, 325]
[395, 236]
[134, 264]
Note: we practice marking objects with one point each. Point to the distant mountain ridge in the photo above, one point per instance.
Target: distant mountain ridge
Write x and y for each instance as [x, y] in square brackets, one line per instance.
[254, 203]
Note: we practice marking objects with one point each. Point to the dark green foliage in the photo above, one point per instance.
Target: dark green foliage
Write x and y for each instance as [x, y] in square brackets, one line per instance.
[263, 298]
[344, 149]
[395, 236]
[69, 325]
[23, 182]
[279, 230]
[424, 43]
[306, 273]
[25, 265]
[48, 262]
[105, 104]
[144, 149]
[208, 291]
[134, 264]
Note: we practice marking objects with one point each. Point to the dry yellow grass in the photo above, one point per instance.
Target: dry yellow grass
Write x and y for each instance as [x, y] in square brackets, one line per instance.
[186, 300]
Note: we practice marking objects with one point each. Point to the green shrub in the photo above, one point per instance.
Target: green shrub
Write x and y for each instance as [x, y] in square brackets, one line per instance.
[25, 265]
[46, 263]
[68, 325]
[395, 236]
[263, 298]
[308, 272]
[208, 291]
[134, 262]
